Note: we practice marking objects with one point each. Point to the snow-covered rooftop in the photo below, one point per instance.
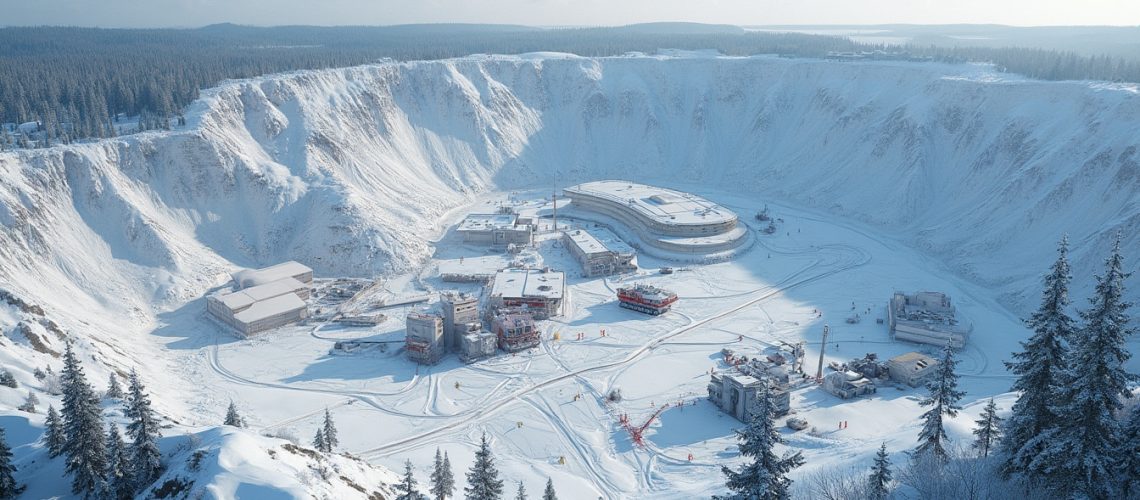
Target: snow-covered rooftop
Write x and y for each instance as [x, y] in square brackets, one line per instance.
[270, 307]
[253, 277]
[248, 296]
[530, 283]
[487, 222]
[586, 242]
[664, 205]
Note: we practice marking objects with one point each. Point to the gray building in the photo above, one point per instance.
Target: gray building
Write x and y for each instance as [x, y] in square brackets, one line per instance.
[460, 310]
[736, 394]
[497, 230]
[927, 318]
[595, 257]
[263, 299]
[912, 368]
[424, 338]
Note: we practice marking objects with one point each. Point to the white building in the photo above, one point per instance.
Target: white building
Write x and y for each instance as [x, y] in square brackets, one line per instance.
[664, 218]
[424, 338]
[927, 318]
[460, 317]
[912, 368]
[263, 299]
[540, 291]
[497, 230]
[595, 257]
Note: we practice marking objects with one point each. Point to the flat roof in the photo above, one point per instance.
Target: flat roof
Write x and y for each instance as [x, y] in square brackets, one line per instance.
[529, 283]
[664, 205]
[586, 242]
[487, 222]
[270, 307]
[912, 357]
[248, 296]
[252, 277]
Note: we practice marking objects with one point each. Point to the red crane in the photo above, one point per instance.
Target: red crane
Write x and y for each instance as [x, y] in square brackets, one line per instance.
[636, 432]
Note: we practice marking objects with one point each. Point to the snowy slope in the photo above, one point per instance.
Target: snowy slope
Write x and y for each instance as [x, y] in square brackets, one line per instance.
[351, 171]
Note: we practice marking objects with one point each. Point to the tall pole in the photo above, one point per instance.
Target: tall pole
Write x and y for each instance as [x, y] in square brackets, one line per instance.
[554, 198]
[822, 349]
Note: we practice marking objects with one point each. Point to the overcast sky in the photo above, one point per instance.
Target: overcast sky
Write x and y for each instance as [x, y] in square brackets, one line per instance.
[192, 13]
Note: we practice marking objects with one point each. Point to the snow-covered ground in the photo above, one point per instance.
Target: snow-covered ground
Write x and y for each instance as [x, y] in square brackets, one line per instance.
[889, 176]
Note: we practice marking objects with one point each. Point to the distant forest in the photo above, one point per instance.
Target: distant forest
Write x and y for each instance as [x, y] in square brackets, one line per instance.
[77, 82]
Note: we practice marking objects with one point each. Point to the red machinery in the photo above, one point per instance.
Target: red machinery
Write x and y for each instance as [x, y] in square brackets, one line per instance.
[636, 432]
[646, 298]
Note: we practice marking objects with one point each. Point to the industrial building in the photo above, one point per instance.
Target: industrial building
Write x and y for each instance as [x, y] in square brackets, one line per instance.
[912, 368]
[646, 298]
[498, 230]
[736, 393]
[595, 257]
[848, 384]
[664, 218]
[926, 318]
[477, 345]
[424, 338]
[263, 299]
[540, 291]
[460, 317]
[516, 331]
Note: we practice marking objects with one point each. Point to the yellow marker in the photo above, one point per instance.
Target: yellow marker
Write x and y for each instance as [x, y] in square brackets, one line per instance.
[562, 460]
[557, 336]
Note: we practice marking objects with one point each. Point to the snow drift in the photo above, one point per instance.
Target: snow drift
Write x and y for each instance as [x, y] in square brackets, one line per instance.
[348, 170]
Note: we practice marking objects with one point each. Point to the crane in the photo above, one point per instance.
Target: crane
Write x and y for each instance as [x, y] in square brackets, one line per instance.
[822, 349]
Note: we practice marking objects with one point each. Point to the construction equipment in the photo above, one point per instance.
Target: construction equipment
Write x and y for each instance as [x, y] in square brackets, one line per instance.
[636, 432]
[647, 299]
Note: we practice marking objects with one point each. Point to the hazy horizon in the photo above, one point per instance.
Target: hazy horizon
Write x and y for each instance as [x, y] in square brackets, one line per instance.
[567, 13]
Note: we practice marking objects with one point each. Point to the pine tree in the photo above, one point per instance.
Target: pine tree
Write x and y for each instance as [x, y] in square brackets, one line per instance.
[1130, 455]
[880, 480]
[548, 493]
[521, 495]
[1079, 455]
[988, 431]
[331, 441]
[765, 478]
[943, 400]
[144, 434]
[7, 379]
[30, 403]
[407, 486]
[1039, 368]
[232, 417]
[8, 486]
[442, 482]
[82, 417]
[483, 481]
[54, 437]
[319, 440]
[119, 474]
[113, 389]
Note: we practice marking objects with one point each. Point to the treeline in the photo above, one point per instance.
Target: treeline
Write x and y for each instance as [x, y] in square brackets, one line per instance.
[79, 82]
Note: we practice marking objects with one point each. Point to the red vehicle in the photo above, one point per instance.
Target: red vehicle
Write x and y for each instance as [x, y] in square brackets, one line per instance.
[646, 298]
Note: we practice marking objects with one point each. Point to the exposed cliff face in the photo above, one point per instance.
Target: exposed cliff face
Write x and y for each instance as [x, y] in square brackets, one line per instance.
[347, 170]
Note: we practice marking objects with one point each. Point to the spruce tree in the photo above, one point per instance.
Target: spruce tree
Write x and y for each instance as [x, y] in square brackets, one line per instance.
[943, 401]
[765, 478]
[880, 481]
[232, 417]
[120, 477]
[442, 481]
[143, 432]
[1039, 368]
[82, 416]
[1079, 455]
[407, 486]
[548, 493]
[54, 437]
[331, 441]
[521, 494]
[1130, 455]
[8, 486]
[113, 389]
[483, 481]
[319, 440]
[988, 431]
